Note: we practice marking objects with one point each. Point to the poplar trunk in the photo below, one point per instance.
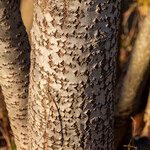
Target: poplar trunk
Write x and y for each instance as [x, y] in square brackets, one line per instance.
[14, 68]
[73, 72]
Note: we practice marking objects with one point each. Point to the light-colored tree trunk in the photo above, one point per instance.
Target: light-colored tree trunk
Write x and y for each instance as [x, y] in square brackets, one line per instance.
[72, 78]
[137, 72]
[14, 68]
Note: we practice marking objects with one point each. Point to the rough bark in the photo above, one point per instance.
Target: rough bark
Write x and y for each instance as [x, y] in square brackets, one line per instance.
[72, 78]
[14, 68]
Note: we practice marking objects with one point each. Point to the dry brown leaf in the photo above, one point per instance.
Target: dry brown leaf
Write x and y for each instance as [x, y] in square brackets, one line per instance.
[141, 123]
[137, 125]
[146, 129]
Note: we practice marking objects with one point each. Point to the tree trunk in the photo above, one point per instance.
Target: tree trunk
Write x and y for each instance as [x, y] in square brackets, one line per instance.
[138, 71]
[14, 68]
[132, 86]
[72, 78]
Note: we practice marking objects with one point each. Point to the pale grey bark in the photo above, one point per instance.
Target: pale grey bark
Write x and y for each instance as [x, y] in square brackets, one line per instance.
[14, 68]
[73, 69]
[72, 78]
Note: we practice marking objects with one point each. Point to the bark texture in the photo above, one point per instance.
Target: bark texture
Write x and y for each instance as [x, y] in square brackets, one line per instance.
[14, 68]
[73, 69]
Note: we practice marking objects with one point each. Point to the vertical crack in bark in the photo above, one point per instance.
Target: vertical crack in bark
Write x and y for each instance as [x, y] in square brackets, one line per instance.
[48, 119]
[59, 114]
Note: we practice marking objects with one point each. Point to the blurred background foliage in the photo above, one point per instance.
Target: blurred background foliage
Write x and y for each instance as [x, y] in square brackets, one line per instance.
[143, 6]
[132, 14]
